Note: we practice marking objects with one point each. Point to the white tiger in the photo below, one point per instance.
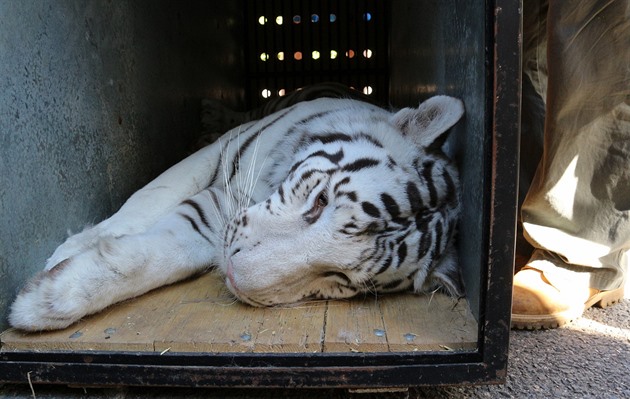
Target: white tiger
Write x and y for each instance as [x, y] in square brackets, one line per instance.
[325, 199]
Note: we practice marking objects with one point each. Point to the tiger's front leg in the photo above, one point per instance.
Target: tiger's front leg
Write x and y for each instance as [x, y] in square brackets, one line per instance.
[113, 269]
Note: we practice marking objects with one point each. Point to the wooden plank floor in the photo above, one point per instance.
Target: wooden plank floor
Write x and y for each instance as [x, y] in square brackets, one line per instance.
[200, 316]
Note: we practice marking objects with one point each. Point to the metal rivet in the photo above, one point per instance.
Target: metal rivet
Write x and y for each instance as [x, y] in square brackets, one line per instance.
[379, 332]
[410, 337]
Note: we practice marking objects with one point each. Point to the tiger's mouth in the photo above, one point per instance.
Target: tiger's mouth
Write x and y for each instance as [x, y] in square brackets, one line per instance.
[329, 285]
[230, 278]
[230, 282]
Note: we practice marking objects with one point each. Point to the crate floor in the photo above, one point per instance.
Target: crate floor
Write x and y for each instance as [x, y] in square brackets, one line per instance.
[200, 316]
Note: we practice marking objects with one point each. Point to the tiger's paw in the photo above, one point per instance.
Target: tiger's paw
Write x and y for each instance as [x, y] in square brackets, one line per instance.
[52, 299]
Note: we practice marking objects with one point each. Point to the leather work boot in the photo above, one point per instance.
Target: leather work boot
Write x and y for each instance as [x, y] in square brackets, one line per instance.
[537, 304]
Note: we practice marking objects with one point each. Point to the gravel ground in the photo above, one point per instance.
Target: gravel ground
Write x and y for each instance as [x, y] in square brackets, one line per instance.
[589, 358]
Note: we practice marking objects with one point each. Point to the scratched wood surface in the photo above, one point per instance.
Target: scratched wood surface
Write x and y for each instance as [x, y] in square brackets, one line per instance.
[200, 316]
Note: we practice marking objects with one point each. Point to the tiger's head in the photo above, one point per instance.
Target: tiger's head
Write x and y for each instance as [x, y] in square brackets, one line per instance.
[369, 204]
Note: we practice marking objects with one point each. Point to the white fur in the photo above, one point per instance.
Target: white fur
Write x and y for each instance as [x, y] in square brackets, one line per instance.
[149, 242]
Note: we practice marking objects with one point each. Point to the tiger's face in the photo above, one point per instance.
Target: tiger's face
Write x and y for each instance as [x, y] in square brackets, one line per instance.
[355, 213]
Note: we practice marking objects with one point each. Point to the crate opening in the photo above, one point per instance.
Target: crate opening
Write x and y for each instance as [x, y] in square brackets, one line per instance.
[278, 47]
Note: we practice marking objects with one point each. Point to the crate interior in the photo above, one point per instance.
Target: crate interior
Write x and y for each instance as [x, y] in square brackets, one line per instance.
[110, 95]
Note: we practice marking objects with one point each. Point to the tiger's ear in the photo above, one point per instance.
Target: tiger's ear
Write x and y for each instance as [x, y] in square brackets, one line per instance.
[427, 124]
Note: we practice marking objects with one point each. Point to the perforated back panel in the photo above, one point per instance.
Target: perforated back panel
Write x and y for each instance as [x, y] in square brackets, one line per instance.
[294, 43]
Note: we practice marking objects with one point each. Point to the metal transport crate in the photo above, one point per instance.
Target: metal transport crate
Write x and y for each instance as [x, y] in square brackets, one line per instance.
[98, 97]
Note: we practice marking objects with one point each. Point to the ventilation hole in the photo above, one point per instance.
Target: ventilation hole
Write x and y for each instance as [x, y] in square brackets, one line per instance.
[262, 20]
[264, 57]
[297, 55]
[367, 90]
[315, 55]
[367, 53]
[297, 19]
[266, 93]
[367, 17]
[350, 53]
[279, 20]
[314, 18]
[333, 54]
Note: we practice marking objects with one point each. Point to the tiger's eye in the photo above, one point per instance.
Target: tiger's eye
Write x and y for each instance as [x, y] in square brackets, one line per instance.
[322, 200]
[317, 208]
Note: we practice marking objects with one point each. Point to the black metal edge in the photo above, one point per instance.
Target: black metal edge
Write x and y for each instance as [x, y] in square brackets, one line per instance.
[489, 364]
[251, 360]
[241, 369]
[506, 36]
[270, 377]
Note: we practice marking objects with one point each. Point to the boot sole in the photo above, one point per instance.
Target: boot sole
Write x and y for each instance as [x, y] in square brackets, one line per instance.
[602, 299]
